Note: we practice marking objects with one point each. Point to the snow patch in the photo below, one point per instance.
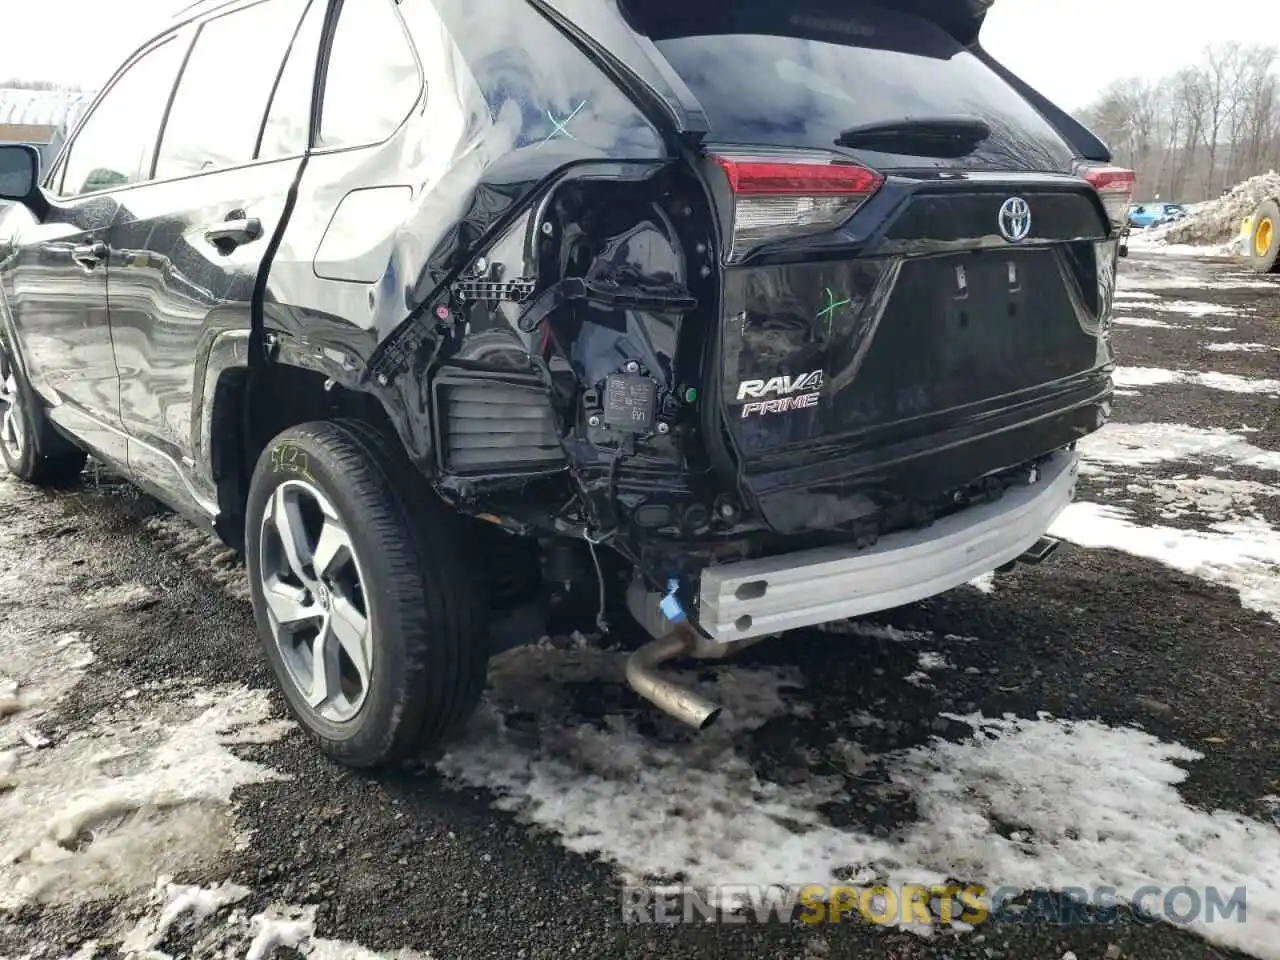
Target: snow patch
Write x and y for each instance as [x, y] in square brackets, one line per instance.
[1242, 553]
[1219, 220]
[1155, 240]
[178, 905]
[1194, 308]
[655, 806]
[1138, 287]
[877, 631]
[280, 927]
[1218, 497]
[1158, 244]
[139, 794]
[1092, 805]
[1142, 444]
[122, 595]
[1229, 382]
[1143, 322]
[931, 660]
[257, 937]
[1241, 348]
[1131, 283]
[295, 927]
[985, 583]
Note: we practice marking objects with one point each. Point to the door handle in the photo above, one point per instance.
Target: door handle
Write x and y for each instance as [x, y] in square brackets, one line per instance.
[231, 233]
[90, 254]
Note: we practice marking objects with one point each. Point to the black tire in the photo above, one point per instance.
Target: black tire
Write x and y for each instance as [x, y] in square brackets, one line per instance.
[1264, 244]
[426, 602]
[40, 455]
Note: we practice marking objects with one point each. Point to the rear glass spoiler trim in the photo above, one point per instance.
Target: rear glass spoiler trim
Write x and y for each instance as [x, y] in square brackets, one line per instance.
[1083, 141]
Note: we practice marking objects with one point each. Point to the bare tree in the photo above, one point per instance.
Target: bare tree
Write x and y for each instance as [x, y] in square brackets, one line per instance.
[1259, 108]
[1202, 128]
[1192, 93]
[1216, 72]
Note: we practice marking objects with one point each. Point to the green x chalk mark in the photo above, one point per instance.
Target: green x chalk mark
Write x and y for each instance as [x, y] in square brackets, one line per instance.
[832, 306]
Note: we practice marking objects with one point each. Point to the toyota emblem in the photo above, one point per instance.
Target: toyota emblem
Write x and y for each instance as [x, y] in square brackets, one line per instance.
[1015, 219]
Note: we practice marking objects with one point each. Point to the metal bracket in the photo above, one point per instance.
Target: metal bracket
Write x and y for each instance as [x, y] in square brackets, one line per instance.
[397, 353]
[625, 292]
[657, 297]
[472, 289]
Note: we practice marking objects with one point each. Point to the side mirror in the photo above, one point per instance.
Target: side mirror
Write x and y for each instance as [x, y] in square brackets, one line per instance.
[20, 177]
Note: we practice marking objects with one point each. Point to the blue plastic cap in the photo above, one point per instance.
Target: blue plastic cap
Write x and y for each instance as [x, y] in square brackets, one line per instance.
[670, 606]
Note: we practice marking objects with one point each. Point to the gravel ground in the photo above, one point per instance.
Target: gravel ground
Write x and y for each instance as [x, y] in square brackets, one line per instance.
[153, 800]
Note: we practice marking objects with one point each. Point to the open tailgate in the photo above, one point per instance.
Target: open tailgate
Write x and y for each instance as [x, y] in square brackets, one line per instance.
[673, 18]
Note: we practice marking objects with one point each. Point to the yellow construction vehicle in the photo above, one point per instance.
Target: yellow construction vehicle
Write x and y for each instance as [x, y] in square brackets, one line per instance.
[1260, 237]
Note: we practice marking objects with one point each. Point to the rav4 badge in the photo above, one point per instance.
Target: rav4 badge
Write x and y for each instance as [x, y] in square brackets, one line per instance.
[780, 394]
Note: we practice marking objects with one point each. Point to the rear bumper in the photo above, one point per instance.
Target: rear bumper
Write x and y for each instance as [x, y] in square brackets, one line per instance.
[754, 598]
[931, 455]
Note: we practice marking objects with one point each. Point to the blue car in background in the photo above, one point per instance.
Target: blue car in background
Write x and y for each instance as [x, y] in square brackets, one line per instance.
[1153, 214]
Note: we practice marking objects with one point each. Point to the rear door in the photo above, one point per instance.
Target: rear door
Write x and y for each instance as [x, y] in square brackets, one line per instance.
[334, 266]
[190, 244]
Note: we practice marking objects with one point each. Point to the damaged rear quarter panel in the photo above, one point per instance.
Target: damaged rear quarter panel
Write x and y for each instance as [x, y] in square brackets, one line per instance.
[507, 101]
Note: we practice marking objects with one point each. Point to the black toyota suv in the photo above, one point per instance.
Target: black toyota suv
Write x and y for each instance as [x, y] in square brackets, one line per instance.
[745, 315]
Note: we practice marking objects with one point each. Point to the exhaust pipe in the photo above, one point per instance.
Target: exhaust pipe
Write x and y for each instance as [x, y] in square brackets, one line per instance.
[1038, 552]
[1041, 550]
[669, 697]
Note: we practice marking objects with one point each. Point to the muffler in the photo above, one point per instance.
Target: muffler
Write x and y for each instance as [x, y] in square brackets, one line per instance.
[669, 697]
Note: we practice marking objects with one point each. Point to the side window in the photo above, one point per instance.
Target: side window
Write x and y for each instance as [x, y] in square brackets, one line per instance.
[222, 97]
[288, 128]
[367, 98]
[114, 147]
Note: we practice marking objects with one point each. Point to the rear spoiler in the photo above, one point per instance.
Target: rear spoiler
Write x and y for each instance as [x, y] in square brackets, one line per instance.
[962, 19]
[603, 30]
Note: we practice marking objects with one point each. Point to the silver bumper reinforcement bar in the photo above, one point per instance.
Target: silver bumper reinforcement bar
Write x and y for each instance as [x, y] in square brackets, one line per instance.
[755, 598]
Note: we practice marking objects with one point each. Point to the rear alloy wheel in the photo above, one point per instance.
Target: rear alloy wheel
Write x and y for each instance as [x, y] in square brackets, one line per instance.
[21, 422]
[313, 587]
[368, 604]
[13, 424]
[1264, 247]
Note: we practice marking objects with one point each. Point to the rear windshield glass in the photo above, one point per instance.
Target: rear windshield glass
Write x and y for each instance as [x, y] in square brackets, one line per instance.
[787, 78]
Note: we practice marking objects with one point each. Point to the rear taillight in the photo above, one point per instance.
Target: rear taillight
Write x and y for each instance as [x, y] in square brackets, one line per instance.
[1115, 188]
[777, 199]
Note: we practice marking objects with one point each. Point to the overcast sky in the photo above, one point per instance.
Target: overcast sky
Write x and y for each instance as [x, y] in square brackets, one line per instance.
[1069, 49]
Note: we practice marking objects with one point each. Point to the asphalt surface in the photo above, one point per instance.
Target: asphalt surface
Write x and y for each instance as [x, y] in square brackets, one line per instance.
[123, 635]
